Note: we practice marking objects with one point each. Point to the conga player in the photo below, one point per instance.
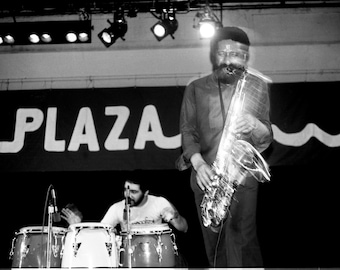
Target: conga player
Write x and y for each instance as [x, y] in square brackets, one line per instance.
[143, 213]
[144, 208]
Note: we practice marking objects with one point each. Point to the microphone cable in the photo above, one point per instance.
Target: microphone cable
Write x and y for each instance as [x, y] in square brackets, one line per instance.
[217, 243]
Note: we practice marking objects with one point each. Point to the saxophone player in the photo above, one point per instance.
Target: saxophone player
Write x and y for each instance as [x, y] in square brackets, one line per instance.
[204, 109]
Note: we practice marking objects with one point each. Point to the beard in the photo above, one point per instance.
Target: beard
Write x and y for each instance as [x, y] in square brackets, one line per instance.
[138, 201]
[228, 74]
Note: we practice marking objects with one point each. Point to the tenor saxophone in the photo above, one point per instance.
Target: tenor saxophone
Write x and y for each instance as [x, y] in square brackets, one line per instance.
[235, 159]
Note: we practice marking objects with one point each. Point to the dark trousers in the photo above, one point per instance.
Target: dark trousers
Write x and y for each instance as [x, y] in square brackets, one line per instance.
[236, 244]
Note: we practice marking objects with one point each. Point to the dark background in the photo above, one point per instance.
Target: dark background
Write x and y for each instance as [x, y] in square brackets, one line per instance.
[297, 211]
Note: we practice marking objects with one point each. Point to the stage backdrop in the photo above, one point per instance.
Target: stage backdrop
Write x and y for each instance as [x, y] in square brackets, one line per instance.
[138, 128]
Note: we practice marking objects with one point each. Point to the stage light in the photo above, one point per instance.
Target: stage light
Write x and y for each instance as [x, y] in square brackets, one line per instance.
[207, 23]
[46, 38]
[71, 37]
[9, 39]
[167, 25]
[33, 38]
[110, 35]
[207, 28]
[45, 32]
[117, 29]
[83, 37]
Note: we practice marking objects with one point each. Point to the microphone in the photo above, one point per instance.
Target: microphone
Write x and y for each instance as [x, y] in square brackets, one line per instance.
[127, 197]
[127, 204]
[56, 215]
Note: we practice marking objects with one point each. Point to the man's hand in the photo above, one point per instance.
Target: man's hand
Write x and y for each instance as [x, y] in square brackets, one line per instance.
[246, 124]
[169, 213]
[70, 216]
[204, 174]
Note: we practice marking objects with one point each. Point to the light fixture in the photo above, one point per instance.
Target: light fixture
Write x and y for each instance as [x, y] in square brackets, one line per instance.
[71, 37]
[45, 32]
[207, 23]
[117, 29]
[9, 39]
[83, 36]
[46, 38]
[33, 38]
[167, 25]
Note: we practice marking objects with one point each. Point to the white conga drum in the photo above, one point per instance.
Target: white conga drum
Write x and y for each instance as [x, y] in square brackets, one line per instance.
[89, 245]
[151, 246]
[29, 247]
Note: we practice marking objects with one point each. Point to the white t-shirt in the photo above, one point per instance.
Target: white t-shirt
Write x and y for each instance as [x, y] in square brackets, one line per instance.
[149, 213]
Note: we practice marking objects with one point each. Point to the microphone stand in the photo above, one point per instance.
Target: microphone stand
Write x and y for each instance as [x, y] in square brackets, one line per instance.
[49, 235]
[129, 235]
[53, 215]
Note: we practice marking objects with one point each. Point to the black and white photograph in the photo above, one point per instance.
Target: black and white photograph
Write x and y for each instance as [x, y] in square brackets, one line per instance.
[189, 134]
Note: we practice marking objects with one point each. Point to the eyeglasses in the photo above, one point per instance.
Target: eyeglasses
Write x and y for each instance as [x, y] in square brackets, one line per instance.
[233, 54]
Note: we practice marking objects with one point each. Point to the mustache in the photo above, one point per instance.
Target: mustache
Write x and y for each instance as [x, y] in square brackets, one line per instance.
[231, 68]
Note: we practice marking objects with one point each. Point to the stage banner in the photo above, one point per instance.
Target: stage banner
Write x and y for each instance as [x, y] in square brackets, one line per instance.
[305, 123]
[138, 128]
[90, 129]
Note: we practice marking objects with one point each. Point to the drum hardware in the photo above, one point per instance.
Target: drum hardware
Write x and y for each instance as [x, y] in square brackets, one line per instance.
[11, 253]
[76, 247]
[110, 242]
[159, 248]
[55, 248]
[24, 249]
[173, 240]
[109, 248]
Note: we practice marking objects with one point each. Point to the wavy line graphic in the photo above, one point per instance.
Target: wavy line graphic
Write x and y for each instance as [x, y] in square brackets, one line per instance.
[302, 137]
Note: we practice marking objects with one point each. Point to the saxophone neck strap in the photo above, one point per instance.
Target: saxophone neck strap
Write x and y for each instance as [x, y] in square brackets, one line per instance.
[221, 101]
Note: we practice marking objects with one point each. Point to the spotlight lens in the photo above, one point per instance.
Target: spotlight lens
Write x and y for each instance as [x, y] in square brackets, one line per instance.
[46, 38]
[33, 38]
[71, 37]
[9, 39]
[159, 30]
[1, 40]
[207, 30]
[83, 37]
[106, 37]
